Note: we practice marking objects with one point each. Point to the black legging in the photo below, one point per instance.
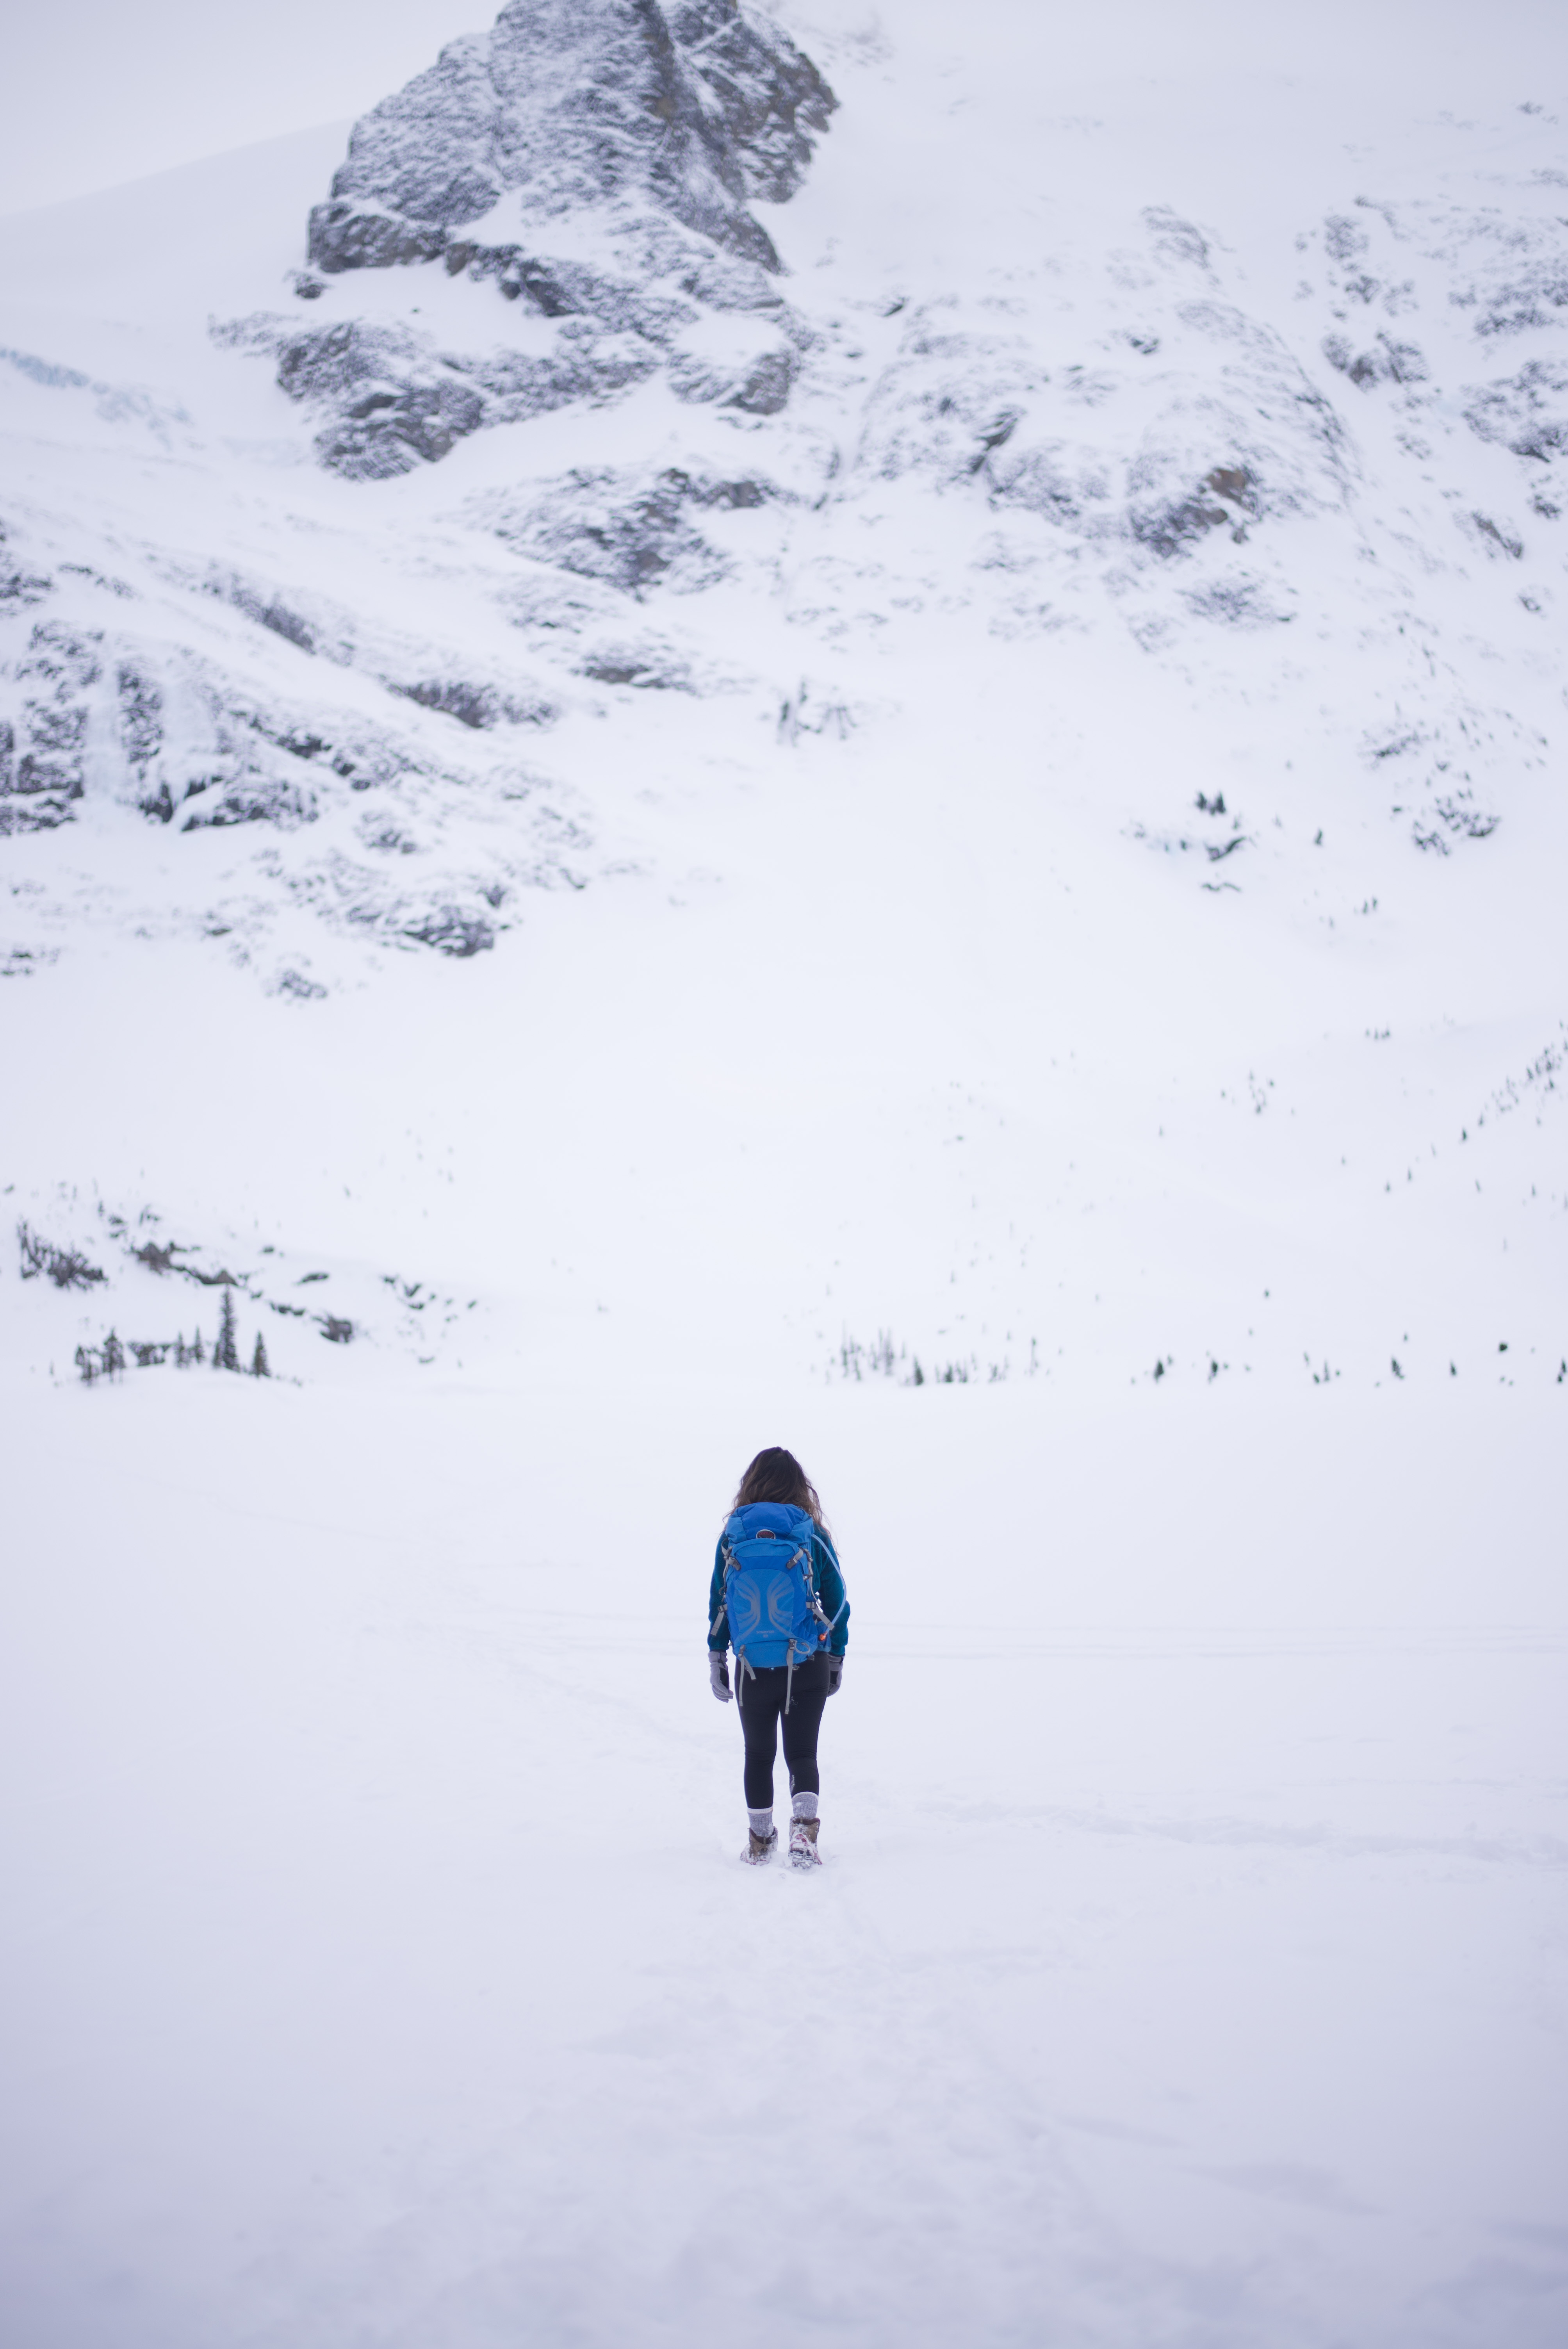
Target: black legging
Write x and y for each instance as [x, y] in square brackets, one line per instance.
[762, 1709]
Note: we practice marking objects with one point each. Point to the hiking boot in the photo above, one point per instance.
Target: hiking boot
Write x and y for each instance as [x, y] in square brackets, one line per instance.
[760, 1848]
[804, 1852]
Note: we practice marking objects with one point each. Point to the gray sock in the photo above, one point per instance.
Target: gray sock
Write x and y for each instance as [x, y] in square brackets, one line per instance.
[804, 1807]
[761, 1822]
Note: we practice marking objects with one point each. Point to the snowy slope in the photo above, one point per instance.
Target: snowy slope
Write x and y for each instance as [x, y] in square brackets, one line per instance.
[883, 770]
[1082, 520]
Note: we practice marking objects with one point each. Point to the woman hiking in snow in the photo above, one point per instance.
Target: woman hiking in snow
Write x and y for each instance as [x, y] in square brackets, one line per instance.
[777, 1598]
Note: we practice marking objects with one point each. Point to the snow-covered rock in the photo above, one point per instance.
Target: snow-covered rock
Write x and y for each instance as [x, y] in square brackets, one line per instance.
[650, 114]
[592, 160]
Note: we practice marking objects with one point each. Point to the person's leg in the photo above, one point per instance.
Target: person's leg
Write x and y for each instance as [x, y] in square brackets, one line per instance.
[758, 1711]
[801, 1723]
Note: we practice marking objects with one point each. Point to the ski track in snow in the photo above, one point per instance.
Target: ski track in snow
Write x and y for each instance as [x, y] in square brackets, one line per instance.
[950, 856]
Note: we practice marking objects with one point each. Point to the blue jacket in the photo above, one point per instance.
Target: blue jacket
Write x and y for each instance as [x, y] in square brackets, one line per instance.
[827, 1581]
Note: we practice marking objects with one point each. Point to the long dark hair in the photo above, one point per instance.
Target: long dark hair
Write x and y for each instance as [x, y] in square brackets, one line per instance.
[777, 1475]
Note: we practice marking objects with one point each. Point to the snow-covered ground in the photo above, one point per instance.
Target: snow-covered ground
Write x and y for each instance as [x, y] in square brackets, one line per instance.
[1187, 1966]
[953, 858]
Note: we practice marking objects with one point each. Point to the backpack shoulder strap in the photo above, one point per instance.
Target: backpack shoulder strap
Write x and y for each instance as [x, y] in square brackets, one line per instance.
[727, 1560]
[832, 1557]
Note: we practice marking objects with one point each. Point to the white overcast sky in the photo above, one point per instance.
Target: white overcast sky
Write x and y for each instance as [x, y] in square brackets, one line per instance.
[101, 91]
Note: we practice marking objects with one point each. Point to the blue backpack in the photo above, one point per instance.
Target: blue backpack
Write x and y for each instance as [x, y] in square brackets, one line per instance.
[774, 1617]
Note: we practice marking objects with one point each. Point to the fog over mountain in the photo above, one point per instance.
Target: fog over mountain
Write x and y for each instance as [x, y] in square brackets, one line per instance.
[794, 717]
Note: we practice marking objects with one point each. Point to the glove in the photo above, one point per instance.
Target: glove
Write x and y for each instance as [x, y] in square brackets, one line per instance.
[718, 1675]
[835, 1674]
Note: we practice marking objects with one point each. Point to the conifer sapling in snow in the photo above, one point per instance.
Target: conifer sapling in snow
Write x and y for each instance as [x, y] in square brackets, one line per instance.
[226, 1352]
[259, 1359]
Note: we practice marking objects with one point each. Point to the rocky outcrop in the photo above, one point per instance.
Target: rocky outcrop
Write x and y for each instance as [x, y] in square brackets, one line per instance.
[1528, 413]
[685, 110]
[302, 762]
[391, 399]
[43, 748]
[591, 161]
[628, 528]
[1213, 427]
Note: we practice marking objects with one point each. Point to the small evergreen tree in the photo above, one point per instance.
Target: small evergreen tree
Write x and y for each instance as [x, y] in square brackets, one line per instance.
[226, 1352]
[86, 1365]
[113, 1356]
[196, 1354]
[259, 1359]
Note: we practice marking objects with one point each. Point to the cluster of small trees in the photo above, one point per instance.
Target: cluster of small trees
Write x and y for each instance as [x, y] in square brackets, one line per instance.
[66, 1268]
[826, 718]
[108, 1361]
[858, 1363]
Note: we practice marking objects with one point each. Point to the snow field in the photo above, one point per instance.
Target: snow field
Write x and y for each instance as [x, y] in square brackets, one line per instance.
[1001, 1076]
[381, 1967]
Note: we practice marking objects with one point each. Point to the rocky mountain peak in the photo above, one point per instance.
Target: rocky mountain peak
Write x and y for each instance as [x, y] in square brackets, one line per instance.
[687, 110]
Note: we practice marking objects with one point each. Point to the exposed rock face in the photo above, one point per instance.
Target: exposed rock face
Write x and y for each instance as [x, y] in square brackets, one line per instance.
[690, 109]
[591, 161]
[43, 752]
[391, 398]
[626, 529]
[1527, 412]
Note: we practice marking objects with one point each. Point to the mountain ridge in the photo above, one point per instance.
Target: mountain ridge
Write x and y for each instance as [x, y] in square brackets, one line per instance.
[1088, 638]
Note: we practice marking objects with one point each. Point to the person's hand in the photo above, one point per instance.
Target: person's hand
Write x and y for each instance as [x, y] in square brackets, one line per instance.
[718, 1675]
[835, 1674]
